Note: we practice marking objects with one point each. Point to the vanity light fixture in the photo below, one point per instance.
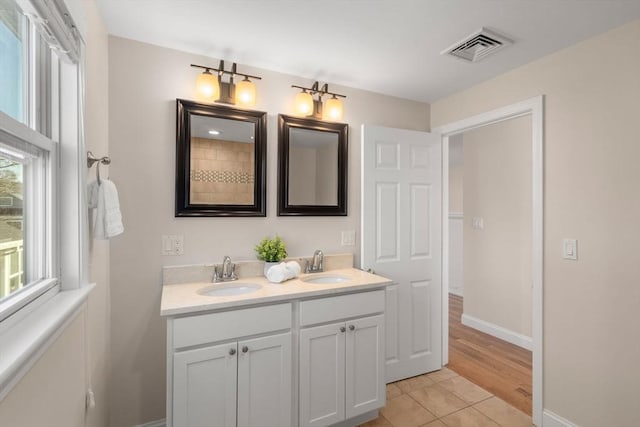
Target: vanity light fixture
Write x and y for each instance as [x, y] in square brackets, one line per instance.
[305, 105]
[213, 88]
[333, 108]
[208, 85]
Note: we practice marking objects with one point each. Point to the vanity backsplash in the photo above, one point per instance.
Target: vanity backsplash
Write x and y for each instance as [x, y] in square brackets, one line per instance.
[175, 274]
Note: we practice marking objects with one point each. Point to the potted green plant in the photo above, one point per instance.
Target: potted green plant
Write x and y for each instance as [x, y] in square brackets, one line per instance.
[271, 251]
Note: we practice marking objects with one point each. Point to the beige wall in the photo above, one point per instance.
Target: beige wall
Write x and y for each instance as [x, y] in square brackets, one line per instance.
[456, 167]
[97, 140]
[52, 393]
[144, 81]
[497, 258]
[592, 100]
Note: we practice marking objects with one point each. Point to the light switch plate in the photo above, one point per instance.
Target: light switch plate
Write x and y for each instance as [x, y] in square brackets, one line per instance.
[172, 244]
[167, 245]
[570, 249]
[349, 238]
[477, 223]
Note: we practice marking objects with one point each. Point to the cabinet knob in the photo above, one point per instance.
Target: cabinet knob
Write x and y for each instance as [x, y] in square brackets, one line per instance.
[342, 329]
[352, 328]
[245, 348]
[232, 351]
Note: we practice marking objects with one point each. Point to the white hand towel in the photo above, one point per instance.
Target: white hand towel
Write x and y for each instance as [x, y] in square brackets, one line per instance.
[294, 269]
[283, 271]
[277, 273]
[108, 219]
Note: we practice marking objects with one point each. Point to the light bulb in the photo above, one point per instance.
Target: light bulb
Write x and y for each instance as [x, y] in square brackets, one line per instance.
[333, 109]
[208, 86]
[246, 93]
[304, 103]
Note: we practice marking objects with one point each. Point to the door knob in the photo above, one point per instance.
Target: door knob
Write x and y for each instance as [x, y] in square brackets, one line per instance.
[352, 328]
[232, 351]
[342, 329]
[245, 348]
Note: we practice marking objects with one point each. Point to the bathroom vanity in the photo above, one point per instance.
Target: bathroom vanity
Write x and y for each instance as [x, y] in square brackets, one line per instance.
[306, 352]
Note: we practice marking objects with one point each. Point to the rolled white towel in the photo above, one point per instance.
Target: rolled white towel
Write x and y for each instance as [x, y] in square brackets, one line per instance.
[283, 271]
[277, 273]
[294, 269]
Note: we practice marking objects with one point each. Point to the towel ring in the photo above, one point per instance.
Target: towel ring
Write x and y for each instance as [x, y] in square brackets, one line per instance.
[91, 159]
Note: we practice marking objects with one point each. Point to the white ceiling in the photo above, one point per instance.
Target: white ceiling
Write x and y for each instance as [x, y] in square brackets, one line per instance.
[386, 46]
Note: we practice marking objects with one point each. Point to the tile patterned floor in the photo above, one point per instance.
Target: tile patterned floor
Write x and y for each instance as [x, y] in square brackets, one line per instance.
[445, 399]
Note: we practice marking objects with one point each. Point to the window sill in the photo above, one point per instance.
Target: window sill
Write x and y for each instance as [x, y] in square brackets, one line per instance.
[23, 343]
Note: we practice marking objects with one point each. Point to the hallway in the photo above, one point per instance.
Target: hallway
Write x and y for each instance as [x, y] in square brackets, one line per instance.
[499, 367]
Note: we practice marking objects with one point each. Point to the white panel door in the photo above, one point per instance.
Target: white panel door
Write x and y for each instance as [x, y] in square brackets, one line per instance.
[402, 239]
[365, 384]
[322, 368]
[264, 381]
[204, 387]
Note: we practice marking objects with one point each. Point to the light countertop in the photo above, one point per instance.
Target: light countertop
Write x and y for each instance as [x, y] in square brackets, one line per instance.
[184, 298]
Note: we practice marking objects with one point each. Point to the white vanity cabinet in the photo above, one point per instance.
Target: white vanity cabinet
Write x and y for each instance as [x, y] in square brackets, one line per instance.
[341, 366]
[231, 368]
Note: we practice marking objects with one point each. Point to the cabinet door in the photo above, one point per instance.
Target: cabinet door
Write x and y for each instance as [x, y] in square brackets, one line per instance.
[264, 381]
[365, 385]
[322, 375]
[204, 387]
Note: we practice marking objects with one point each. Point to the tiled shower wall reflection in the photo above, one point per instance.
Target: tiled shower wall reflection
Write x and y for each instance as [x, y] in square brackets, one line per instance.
[222, 172]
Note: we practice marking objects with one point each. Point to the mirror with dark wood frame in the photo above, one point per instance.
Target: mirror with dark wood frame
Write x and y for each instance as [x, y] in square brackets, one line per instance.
[312, 167]
[220, 161]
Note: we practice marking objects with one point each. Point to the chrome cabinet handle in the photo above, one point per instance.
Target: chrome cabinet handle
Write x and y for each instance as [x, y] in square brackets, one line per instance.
[232, 351]
[352, 328]
[245, 348]
[342, 329]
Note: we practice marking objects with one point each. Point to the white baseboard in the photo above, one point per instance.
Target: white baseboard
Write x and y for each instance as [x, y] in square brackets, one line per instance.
[498, 332]
[157, 423]
[549, 419]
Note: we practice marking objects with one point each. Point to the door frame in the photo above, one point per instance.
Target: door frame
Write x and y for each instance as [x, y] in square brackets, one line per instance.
[535, 108]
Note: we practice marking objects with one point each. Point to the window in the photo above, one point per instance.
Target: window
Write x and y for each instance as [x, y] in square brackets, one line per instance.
[39, 87]
[11, 238]
[13, 49]
[21, 179]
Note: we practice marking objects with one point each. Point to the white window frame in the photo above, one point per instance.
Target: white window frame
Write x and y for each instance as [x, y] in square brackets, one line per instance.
[40, 195]
[42, 181]
[38, 314]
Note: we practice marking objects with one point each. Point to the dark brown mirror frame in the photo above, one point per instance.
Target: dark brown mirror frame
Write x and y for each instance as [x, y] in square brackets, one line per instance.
[285, 124]
[183, 155]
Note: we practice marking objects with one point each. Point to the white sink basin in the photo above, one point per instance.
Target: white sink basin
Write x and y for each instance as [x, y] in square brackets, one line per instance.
[229, 289]
[326, 279]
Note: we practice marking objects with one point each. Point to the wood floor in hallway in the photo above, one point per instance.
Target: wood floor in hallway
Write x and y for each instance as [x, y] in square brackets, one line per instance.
[495, 365]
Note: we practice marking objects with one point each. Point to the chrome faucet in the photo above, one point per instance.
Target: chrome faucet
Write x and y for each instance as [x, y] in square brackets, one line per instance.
[225, 272]
[316, 265]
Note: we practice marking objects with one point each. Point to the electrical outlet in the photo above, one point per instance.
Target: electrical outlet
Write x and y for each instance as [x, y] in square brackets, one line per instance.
[178, 245]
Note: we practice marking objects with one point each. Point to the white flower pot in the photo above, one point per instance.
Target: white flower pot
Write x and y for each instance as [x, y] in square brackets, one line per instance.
[268, 265]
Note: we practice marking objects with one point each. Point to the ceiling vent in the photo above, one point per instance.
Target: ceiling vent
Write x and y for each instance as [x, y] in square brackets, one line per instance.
[478, 45]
